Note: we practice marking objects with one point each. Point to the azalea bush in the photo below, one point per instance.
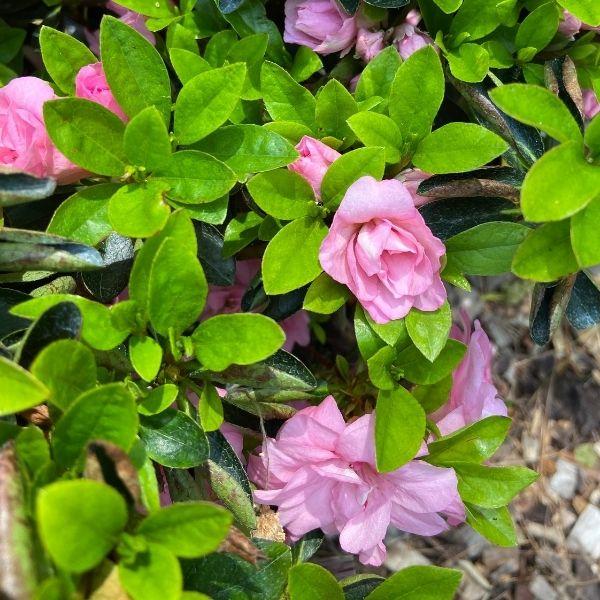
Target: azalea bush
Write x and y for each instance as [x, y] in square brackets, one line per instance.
[231, 229]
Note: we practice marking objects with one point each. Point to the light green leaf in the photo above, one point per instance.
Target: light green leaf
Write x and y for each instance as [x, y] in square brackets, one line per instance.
[335, 104]
[138, 209]
[416, 368]
[538, 28]
[63, 57]
[291, 259]
[347, 169]
[240, 231]
[240, 339]
[134, 69]
[469, 63]
[477, 18]
[210, 408]
[548, 195]
[592, 136]
[283, 194]
[146, 140]
[308, 581]
[87, 134]
[187, 64]
[457, 148]
[418, 583]
[377, 77]
[373, 129]
[586, 10]
[145, 355]
[159, 399]
[546, 254]
[584, 235]
[19, 389]
[206, 101]
[429, 330]
[325, 296]
[399, 428]
[79, 522]
[495, 524]
[539, 107]
[306, 63]
[157, 9]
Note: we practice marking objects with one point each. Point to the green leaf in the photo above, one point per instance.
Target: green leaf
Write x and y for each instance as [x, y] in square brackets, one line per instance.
[491, 487]
[419, 583]
[63, 57]
[251, 50]
[87, 134]
[18, 388]
[546, 254]
[79, 522]
[474, 443]
[347, 169]
[291, 259]
[147, 125]
[487, 249]
[367, 340]
[538, 28]
[457, 148]
[151, 8]
[240, 231]
[377, 77]
[306, 63]
[417, 93]
[240, 339]
[399, 428]
[592, 136]
[285, 99]
[106, 413]
[173, 439]
[68, 369]
[138, 209]
[145, 355]
[429, 330]
[416, 368]
[373, 129]
[547, 195]
[134, 69]
[152, 574]
[584, 235]
[586, 10]
[308, 581]
[380, 366]
[210, 409]
[449, 6]
[206, 101]
[189, 529]
[159, 399]
[83, 217]
[469, 63]
[177, 289]
[358, 587]
[325, 296]
[393, 333]
[248, 149]
[431, 397]
[195, 177]
[495, 524]
[187, 64]
[477, 18]
[539, 107]
[283, 194]
[335, 104]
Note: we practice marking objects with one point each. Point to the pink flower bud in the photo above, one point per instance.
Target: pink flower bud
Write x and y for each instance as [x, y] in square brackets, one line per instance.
[91, 84]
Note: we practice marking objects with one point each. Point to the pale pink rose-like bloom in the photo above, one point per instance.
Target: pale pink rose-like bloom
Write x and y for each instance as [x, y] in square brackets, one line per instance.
[369, 43]
[91, 84]
[412, 178]
[473, 396]
[315, 158]
[129, 17]
[591, 106]
[408, 38]
[380, 247]
[319, 24]
[321, 474]
[228, 299]
[24, 143]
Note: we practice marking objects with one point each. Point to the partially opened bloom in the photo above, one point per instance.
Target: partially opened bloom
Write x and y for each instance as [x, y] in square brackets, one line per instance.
[381, 248]
[319, 24]
[369, 43]
[91, 84]
[321, 473]
[571, 25]
[408, 38]
[591, 106]
[473, 395]
[315, 158]
[24, 143]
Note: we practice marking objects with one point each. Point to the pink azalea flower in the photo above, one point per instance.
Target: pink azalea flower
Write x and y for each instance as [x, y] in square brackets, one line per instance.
[319, 24]
[591, 106]
[91, 84]
[129, 17]
[408, 38]
[24, 144]
[369, 43]
[228, 299]
[315, 158]
[571, 25]
[473, 395]
[412, 178]
[321, 474]
[380, 247]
